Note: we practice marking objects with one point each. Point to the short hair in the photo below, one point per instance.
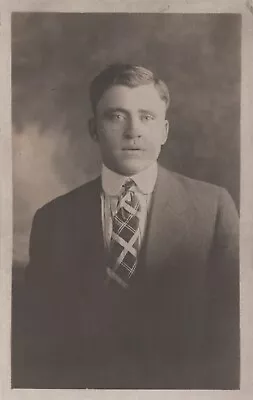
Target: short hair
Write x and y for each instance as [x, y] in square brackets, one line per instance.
[126, 75]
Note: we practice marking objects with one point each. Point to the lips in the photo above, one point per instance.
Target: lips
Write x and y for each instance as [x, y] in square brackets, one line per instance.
[132, 149]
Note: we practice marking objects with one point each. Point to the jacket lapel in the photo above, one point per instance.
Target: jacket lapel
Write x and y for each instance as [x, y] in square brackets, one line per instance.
[90, 233]
[167, 225]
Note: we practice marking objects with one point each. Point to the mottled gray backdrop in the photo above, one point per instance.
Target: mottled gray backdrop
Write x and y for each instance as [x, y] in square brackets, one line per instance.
[54, 58]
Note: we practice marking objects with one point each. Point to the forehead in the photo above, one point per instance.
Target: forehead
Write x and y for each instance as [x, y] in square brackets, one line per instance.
[144, 97]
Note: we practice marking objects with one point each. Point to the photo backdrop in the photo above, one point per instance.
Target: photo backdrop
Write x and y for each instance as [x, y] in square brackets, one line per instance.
[54, 58]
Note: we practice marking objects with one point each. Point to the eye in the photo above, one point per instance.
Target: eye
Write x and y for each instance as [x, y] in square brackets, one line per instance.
[147, 117]
[117, 117]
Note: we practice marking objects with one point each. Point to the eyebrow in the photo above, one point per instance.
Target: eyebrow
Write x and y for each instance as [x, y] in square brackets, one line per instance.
[115, 109]
[144, 111]
[123, 110]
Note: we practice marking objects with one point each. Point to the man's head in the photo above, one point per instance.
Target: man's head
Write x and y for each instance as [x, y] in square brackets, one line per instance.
[129, 105]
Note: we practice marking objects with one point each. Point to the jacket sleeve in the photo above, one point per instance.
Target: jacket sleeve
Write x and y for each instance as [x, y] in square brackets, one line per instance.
[223, 308]
[39, 271]
[38, 314]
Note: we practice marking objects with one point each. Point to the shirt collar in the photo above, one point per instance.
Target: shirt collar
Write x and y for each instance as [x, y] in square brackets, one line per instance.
[145, 180]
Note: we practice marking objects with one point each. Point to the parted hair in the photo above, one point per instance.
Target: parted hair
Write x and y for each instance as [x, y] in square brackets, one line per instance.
[126, 75]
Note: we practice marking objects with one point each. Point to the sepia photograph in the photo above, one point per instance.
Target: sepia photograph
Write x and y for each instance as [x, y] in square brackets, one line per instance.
[126, 200]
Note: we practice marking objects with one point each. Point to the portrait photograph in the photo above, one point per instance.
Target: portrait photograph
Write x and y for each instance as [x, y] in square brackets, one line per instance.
[126, 200]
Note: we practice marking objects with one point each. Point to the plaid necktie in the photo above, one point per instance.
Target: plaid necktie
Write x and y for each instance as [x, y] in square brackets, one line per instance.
[125, 241]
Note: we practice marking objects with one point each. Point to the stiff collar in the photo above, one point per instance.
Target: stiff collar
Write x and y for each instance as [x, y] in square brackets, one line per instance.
[145, 180]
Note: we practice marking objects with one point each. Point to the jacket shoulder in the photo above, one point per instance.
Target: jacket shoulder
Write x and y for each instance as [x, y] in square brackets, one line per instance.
[191, 186]
[196, 185]
[194, 193]
[72, 198]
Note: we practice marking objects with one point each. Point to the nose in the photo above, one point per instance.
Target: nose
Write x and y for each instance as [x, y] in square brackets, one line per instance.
[133, 129]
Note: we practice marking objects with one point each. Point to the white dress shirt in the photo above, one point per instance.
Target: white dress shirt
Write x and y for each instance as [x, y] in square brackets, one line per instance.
[112, 188]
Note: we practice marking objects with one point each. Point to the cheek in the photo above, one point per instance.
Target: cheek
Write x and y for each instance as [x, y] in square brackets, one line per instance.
[109, 140]
[154, 150]
[154, 141]
[110, 130]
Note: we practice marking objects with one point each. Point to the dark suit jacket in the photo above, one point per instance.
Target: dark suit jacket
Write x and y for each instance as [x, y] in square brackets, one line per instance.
[178, 325]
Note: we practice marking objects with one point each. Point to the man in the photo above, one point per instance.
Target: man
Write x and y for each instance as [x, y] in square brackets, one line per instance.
[133, 277]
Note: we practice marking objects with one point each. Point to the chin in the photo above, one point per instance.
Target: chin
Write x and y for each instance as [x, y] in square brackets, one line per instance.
[131, 168]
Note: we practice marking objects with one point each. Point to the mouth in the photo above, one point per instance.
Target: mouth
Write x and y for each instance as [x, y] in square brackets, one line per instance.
[132, 152]
[132, 149]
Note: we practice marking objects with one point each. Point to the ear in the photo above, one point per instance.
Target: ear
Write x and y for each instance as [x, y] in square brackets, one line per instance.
[93, 129]
[166, 131]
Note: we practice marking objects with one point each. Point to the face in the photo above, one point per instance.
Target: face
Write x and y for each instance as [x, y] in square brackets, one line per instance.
[130, 127]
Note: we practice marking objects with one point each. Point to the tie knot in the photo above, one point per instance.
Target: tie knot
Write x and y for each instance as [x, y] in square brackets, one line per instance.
[129, 184]
[128, 197]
